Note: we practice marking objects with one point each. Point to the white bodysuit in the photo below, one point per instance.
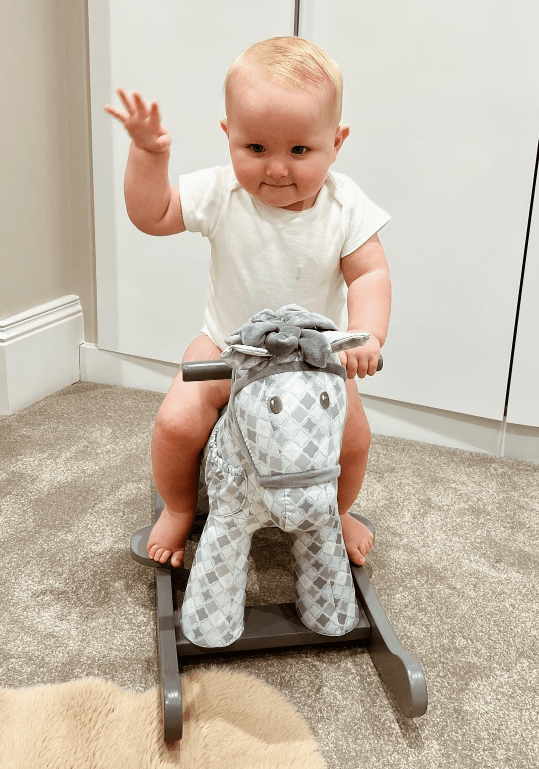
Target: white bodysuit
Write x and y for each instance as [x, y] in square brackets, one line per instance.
[267, 257]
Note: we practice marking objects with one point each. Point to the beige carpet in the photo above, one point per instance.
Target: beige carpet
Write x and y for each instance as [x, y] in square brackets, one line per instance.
[455, 565]
[231, 721]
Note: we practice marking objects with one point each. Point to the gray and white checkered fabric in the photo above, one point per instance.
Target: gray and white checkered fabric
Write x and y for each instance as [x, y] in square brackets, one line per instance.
[290, 423]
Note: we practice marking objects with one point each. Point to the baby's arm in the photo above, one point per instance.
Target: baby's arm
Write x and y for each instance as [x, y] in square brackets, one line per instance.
[152, 204]
[366, 274]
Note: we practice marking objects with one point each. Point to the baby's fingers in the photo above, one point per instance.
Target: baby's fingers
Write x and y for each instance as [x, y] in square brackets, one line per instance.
[127, 101]
[142, 121]
[373, 365]
[128, 104]
[140, 104]
[155, 117]
[110, 110]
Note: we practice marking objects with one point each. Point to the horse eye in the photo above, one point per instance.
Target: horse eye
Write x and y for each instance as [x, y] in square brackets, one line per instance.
[275, 404]
[324, 400]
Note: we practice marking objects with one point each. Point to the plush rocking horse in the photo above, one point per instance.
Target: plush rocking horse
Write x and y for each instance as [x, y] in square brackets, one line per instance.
[272, 460]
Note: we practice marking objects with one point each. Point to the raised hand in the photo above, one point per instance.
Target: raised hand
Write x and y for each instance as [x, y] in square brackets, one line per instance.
[142, 122]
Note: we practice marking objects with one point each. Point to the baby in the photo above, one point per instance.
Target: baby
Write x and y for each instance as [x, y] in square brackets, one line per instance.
[283, 230]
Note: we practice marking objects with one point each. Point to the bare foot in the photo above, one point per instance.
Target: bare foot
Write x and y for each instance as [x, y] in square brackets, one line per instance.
[168, 537]
[357, 538]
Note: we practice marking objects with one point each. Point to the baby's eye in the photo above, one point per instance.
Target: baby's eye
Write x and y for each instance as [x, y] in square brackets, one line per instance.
[298, 150]
[256, 148]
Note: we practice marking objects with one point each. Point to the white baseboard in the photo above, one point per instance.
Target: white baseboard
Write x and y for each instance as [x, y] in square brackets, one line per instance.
[39, 352]
[447, 428]
[427, 425]
[114, 368]
[521, 442]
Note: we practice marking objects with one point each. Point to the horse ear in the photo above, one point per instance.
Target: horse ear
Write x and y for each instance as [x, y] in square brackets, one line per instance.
[345, 340]
[243, 355]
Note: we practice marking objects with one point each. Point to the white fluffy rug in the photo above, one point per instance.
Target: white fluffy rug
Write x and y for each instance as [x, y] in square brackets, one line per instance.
[231, 721]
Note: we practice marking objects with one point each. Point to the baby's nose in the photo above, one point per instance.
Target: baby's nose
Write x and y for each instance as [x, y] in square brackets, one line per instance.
[276, 169]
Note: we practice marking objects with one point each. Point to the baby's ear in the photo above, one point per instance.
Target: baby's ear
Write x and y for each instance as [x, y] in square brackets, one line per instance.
[224, 125]
[341, 134]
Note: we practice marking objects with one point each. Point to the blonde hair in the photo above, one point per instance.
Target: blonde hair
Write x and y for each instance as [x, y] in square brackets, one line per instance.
[293, 63]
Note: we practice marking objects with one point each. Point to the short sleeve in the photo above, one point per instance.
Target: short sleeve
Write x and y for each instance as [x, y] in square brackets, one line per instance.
[363, 217]
[202, 195]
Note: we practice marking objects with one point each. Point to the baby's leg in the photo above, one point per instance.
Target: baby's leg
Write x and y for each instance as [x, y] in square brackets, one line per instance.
[182, 428]
[354, 455]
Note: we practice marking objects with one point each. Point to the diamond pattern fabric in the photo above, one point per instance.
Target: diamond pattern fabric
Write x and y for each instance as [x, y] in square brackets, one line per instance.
[250, 441]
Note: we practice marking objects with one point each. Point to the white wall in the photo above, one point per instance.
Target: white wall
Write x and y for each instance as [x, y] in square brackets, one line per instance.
[46, 253]
[444, 136]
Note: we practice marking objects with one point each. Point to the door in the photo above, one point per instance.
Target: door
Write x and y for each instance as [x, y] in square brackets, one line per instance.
[442, 103]
[523, 405]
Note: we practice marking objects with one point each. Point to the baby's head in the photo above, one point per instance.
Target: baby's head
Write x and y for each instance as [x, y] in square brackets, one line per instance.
[283, 100]
[291, 62]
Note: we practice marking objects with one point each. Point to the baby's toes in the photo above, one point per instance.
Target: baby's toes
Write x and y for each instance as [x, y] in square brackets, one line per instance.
[357, 557]
[367, 543]
[165, 555]
[177, 558]
[159, 554]
[363, 548]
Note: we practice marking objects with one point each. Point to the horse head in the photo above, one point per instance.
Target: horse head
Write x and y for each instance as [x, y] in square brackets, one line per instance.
[288, 401]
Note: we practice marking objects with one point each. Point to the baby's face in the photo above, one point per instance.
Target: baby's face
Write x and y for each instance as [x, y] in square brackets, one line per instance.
[282, 142]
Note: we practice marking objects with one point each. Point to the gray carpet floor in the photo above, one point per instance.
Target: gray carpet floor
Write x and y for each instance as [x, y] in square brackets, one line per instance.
[455, 565]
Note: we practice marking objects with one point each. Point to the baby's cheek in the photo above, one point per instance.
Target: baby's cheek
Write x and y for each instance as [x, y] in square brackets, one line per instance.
[239, 168]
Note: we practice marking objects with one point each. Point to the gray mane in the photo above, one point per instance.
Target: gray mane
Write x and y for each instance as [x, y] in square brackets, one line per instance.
[292, 328]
